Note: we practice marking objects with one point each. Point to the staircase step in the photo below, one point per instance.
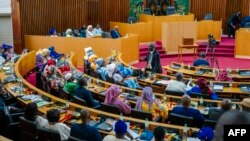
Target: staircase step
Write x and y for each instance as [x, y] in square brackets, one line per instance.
[143, 48]
[222, 54]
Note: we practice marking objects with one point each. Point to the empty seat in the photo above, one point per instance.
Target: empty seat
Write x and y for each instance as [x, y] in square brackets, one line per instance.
[131, 20]
[171, 10]
[141, 114]
[208, 16]
[175, 93]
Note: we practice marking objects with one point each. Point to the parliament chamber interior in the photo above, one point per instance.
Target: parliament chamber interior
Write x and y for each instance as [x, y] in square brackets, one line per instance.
[124, 70]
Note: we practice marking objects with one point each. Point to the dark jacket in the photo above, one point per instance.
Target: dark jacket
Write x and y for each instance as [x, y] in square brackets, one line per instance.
[190, 112]
[156, 64]
[86, 95]
[85, 132]
[115, 34]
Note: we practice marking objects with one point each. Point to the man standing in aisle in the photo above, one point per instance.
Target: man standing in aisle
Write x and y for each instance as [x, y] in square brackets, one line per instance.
[233, 24]
[153, 60]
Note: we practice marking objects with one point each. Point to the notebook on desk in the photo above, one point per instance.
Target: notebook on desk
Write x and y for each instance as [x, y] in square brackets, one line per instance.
[199, 72]
[218, 87]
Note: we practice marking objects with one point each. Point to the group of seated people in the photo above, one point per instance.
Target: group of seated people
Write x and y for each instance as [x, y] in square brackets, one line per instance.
[109, 69]
[6, 53]
[180, 86]
[86, 32]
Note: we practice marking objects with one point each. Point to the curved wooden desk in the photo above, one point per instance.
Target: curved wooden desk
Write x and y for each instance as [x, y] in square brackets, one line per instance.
[23, 64]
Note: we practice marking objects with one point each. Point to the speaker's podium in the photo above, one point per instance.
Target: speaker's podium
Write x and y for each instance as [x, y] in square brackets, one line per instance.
[187, 43]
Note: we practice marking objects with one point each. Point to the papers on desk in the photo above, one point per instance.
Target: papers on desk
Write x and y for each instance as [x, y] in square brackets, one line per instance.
[218, 87]
[162, 82]
[245, 73]
[6, 68]
[199, 72]
[245, 89]
[32, 98]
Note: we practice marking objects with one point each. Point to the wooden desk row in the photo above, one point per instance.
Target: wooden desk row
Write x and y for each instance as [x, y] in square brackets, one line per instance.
[20, 66]
[233, 92]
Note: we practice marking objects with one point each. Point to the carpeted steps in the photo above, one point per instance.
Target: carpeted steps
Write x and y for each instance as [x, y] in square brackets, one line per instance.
[143, 49]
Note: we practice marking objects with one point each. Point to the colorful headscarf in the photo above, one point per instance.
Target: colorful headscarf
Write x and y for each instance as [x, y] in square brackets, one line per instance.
[147, 96]
[52, 31]
[5, 46]
[111, 94]
[206, 134]
[203, 86]
[223, 76]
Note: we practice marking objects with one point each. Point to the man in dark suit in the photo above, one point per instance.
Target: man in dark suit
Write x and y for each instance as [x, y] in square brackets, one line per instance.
[83, 131]
[233, 24]
[215, 113]
[115, 33]
[153, 60]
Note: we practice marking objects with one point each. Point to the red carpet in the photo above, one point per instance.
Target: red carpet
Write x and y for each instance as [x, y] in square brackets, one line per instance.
[224, 62]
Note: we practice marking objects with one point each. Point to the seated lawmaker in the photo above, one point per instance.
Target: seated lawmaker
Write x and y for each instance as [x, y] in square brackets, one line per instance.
[97, 30]
[201, 61]
[83, 93]
[147, 102]
[115, 33]
[203, 89]
[177, 85]
[214, 113]
[53, 116]
[70, 86]
[111, 97]
[31, 114]
[83, 131]
[186, 110]
[120, 132]
[90, 32]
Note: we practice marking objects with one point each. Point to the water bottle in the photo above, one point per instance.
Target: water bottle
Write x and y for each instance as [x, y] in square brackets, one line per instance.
[237, 71]
[67, 105]
[211, 82]
[121, 117]
[165, 97]
[184, 136]
[201, 101]
[146, 124]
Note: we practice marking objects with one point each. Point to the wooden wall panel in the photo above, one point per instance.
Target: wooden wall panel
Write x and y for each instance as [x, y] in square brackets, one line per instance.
[38, 16]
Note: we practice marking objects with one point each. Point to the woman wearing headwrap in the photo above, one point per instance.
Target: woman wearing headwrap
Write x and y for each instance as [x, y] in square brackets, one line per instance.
[69, 33]
[90, 32]
[147, 102]
[52, 32]
[70, 86]
[53, 54]
[50, 69]
[203, 88]
[223, 76]
[111, 97]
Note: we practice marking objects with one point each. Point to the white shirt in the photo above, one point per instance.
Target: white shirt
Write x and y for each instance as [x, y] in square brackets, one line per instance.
[89, 34]
[97, 32]
[176, 86]
[63, 129]
[40, 121]
[112, 138]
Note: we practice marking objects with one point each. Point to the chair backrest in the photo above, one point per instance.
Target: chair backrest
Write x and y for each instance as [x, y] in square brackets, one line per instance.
[28, 129]
[14, 131]
[172, 92]
[247, 25]
[110, 79]
[208, 16]
[74, 139]
[109, 108]
[180, 119]
[48, 135]
[120, 83]
[131, 20]
[79, 101]
[141, 114]
[171, 10]
[106, 35]
[195, 95]
[210, 123]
